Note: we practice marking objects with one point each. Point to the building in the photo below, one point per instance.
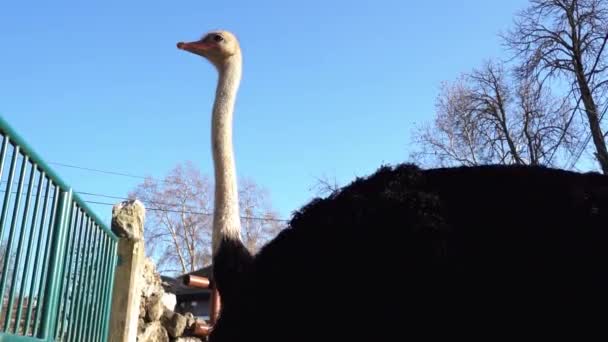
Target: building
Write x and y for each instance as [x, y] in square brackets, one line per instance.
[190, 299]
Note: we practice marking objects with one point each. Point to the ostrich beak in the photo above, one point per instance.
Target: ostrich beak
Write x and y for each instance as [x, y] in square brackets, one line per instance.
[198, 47]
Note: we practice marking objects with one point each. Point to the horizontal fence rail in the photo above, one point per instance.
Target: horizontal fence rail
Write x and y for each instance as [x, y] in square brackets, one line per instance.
[57, 258]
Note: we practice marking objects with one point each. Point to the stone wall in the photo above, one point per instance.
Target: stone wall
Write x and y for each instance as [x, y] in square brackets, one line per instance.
[157, 320]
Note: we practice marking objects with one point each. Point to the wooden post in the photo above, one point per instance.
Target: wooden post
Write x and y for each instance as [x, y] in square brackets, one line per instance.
[128, 224]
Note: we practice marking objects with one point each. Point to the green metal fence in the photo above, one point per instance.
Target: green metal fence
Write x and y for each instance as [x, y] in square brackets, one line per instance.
[57, 258]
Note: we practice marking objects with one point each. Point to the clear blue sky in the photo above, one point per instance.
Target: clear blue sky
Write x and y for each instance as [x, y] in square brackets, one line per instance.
[329, 88]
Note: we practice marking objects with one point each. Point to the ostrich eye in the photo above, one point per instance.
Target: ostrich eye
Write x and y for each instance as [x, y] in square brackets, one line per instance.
[217, 38]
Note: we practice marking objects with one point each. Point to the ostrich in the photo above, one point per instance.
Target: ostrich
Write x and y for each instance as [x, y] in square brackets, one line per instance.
[409, 252]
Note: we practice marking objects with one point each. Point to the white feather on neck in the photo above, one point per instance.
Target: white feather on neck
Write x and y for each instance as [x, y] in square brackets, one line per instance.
[226, 217]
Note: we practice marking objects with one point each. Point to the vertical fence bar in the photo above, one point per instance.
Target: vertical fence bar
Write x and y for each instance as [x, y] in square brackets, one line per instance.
[5, 208]
[67, 267]
[9, 244]
[47, 256]
[74, 310]
[110, 288]
[104, 285]
[37, 256]
[101, 285]
[94, 282]
[19, 253]
[85, 289]
[7, 193]
[5, 141]
[49, 316]
[99, 307]
[27, 265]
[72, 272]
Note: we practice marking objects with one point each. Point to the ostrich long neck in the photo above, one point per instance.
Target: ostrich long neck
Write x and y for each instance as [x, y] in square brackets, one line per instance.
[226, 223]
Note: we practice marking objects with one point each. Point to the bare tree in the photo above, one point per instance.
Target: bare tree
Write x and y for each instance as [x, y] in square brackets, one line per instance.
[258, 220]
[566, 39]
[488, 117]
[178, 229]
[325, 185]
[179, 218]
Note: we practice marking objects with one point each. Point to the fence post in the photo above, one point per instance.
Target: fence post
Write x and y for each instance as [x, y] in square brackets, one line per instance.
[128, 224]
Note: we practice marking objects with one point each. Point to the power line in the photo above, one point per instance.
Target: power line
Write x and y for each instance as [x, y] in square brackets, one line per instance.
[115, 173]
[198, 213]
[192, 212]
[145, 201]
[99, 170]
[109, 172]
[123, 174]
[115, 197]
[100, 195]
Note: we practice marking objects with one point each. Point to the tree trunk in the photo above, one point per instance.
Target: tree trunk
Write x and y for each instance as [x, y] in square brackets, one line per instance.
[593, 118]
[586, 94]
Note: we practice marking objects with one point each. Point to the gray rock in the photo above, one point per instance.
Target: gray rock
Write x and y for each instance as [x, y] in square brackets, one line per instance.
[188, 339]
[154, 308]
[190, 320]
[174, 323]
[150, 281]
[128, 219]
[142, 308]
[169, 301]
[154, 332]
[141, 326]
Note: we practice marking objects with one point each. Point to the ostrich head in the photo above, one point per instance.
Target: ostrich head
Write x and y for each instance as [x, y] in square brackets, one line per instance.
[218, 47]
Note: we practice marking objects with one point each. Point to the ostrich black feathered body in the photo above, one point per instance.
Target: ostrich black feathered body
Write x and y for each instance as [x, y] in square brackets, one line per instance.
[410, 253]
